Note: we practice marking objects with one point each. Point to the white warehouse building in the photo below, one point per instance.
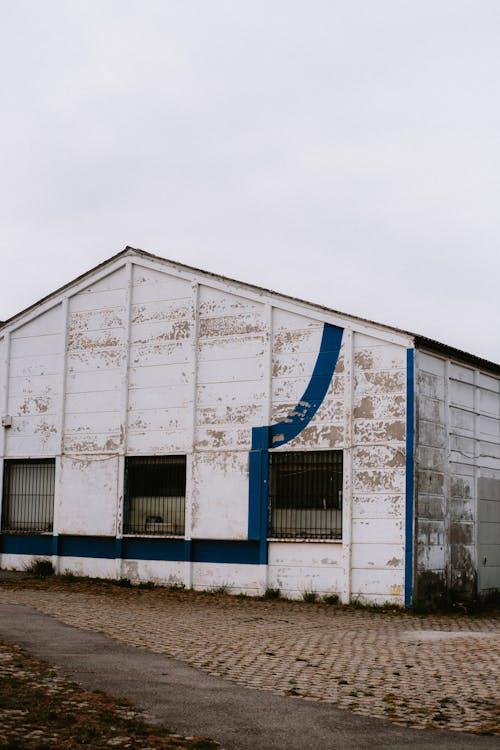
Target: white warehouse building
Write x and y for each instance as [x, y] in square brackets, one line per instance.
[161, 423]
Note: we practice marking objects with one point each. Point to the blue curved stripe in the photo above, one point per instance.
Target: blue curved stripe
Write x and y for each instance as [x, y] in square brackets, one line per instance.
[299, 418]
[264, 438]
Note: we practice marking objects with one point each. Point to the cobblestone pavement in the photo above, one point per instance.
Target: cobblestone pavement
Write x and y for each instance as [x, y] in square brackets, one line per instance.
[440, 671]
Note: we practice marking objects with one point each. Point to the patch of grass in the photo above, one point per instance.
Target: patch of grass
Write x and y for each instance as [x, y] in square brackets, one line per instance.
[39, 568]
[220, 590]
[330, 599]
[271, 593]
[60, 714]
[146, 585]
[68, 575]
[385, 607]
[310, 596]
[125, 583]
[176, 586]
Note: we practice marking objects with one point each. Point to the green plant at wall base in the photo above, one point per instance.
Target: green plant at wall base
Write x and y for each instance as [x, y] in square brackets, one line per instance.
[219, 590]
[385, 607]
[125, 583]
[271, 593]
[40, 568]
[177, 586]
[330, 599]
[310, 596]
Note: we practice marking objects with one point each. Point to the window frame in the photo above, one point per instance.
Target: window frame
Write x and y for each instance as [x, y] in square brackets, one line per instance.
[36, 523]
[309, 510]
[153, 523]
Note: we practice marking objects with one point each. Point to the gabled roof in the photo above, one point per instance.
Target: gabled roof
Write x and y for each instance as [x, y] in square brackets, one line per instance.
[420, 342]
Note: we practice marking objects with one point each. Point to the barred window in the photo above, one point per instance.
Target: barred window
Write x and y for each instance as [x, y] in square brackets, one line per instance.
[305, 495]
[28, 495]
[155, 492]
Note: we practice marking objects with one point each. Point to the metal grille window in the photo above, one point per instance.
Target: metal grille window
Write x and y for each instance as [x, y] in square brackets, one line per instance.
[305, 495]
[155, 490]
[28, 495]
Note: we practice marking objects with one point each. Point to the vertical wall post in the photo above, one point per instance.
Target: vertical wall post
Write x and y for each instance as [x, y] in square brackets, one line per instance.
[125, 396]
[191, 454]
[4, 406]
[59, 487]
[410, 468]
[264, 455]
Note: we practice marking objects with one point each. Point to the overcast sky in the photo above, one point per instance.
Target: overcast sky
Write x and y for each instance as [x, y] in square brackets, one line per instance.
[346, 152]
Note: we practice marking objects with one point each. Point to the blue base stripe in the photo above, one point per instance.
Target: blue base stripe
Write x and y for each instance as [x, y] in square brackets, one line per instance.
[236, 553]
[134, 548]
[87, 546]
[26, 544]
[153, 549]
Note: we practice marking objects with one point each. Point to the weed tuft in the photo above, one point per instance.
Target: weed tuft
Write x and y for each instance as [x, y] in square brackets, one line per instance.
[175, 586]
[385, 607]
[125, 583]
[220, 590]
[271, 593]
[39, 568]
[310, 596]
[69, 576]
[330, 599]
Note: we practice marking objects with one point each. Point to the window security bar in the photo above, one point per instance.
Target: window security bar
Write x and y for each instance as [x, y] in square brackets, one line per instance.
[28, 495]
[155, 490]
[305, 497]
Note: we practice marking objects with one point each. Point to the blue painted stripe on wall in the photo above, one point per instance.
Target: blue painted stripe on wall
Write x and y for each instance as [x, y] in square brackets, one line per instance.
[410, 466]
[254, 493]
[153, 549]
[87, 546]
[138, 548]
[299, 418]
[215, 551]
[264, 483]
[26, 544]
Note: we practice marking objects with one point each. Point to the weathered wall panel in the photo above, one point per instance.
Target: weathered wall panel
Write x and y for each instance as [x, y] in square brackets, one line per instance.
[299, 567]
[378, 469]
[88, 503]
[96, 344]
[160, 394]
[34, 385]
[233, 578]
[219, 500]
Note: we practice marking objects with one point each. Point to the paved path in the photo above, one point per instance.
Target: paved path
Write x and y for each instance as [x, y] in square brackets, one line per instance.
[192, 702]
[420, 672]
